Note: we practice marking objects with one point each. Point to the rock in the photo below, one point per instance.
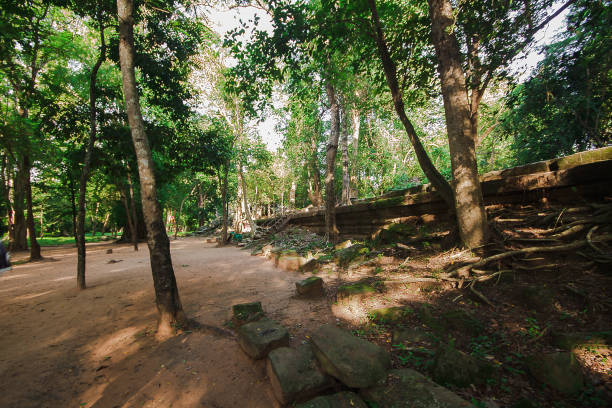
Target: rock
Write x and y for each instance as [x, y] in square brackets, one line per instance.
[340, 400]
[571, 341]
[396, 233]
[356, 252]
[410, 389]
[355, 292]
[294, 374]
[462, 321]
[257, 252]
[266, 250]
[343, 245]
[246, 312]
[310, 266]
[355, 362]
[389, 314]
[258, 338]
[560, 371]
[312, 286]
[290, 262]
[109, 251]
[452, 366]
[413, 335]
[538, 298]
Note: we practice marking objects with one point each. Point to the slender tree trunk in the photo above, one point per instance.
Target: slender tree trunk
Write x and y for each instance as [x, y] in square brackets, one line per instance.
[34, 246]
[224, 201]
[19, 238]
[433, 175]
[469, 204]
[292, 195]
[166, 291]
[176, 226]
[73, 206]
[105, 224]
[42, 225]
[331, 230]
[133, 217]
[94, 222]
[356, 127]
[245, 202]
[128, 214]
[317, 197]
[346, 199]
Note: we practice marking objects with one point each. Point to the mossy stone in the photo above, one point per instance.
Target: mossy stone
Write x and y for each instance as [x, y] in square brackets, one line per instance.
[390, 314]
[246, 312]
[344, 399]
[560, 371]
[452, 366]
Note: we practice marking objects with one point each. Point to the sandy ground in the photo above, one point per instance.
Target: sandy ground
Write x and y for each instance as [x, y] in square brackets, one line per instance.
[60, 347]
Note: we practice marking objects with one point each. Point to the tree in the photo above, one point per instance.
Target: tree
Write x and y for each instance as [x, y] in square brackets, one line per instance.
[166, 291]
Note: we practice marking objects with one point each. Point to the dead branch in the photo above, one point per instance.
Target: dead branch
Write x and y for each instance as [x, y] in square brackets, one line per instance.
[480, 295]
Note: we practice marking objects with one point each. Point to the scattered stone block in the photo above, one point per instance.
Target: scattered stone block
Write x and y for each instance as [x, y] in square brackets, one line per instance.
[109, 251]
[355, 292]
[294, 374]
[343, 245]
[571, 341]
[312, 286]
[355, 362]
[266, 250]
[389, 314]
[452, 366]
[246, 312]
[408, 388]
[291, 262]
[310, 266]
[258, 338]
[538, 298]
[339, 400]
[413, 335]
[354, 253]
[560, 371]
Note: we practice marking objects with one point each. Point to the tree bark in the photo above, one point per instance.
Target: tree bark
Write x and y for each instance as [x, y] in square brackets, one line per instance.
[331, 230]
[105, 224]
[469, 205]
[166, 292]
[433, 175]
[87, 162]
[346, 199]
[355, 142]
[224, 200]
[123, 191]
[245, 201]
[133, 216]
[19, 241]
[292, 195]
[317, 198]
[34, 246]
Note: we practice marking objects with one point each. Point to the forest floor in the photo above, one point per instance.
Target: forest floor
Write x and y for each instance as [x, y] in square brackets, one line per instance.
[61, 347]
[96, 348]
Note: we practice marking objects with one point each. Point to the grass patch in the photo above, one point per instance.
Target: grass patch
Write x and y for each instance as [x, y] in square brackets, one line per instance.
[54, 241]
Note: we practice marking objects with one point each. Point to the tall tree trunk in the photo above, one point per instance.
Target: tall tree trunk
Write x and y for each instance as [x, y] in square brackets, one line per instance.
[469, 206]
[292, 195]
[94, 220]
[166, 291]
[317, 197]
[178, 218]
[433, 175]
[34, 246]
[245, 202]
[346, 199]
[355, 142]
[224, 202]
[133, 217]
[105, 224]
[331, 230]
[73, 207]
[19, 240]
[128, 214]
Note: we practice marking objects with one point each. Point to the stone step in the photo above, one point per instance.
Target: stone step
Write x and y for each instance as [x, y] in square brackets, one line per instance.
[258, 338]
[357, 363]
[294, 374]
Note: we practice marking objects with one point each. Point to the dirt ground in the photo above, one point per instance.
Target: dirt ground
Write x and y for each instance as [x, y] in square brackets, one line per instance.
[61, 347]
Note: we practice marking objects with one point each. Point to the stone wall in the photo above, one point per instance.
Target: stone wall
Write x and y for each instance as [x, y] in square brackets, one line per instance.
[585, 176]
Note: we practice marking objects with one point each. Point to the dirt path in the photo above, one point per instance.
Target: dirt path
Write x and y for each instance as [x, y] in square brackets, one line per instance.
[63, 348]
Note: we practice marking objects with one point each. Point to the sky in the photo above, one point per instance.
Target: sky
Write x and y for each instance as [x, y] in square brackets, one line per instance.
[224, 20]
